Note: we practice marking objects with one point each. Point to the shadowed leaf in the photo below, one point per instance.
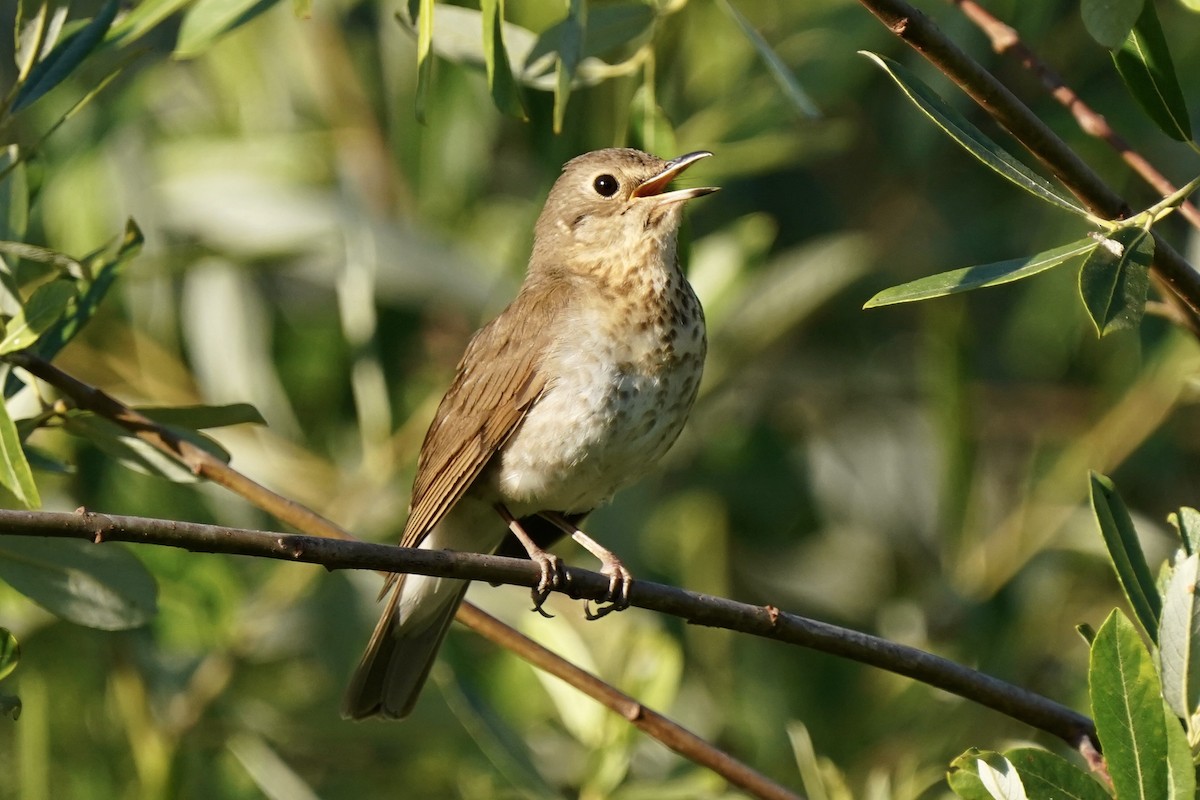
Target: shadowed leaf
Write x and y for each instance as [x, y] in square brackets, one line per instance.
[1109, 21]
[65, 57]
[1145, 64]
[1115, 279]
[1125, 551]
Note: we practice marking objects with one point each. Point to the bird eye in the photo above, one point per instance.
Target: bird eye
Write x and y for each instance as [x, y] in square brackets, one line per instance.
[606, 185]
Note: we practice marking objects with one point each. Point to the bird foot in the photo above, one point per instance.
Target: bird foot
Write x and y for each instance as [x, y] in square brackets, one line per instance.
[619, 582]
[554, 577]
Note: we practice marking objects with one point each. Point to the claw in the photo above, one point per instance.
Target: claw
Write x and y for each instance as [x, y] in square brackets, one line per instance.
[619, 582]
[554, 576]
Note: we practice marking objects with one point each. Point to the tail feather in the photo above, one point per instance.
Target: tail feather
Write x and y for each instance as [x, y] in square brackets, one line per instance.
[388, 679]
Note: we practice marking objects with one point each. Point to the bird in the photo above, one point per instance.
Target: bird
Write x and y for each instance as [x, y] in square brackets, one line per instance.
[573, 391]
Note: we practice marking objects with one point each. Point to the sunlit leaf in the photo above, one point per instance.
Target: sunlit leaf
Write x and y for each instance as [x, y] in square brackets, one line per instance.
[30, 40]
[44, 308]
[1128, 709]
[206, 21]
[424, 22]
[1047, 774]
[10, 653]
[1126, 554]
[505, 94]
[1179, 640]
[1001, 782]
[15, 474]
[1181, 773]
[963, 774]
[783, 75]
[977, 277]
[1115, 279]
[142, 19]
[973, 140]
[1187, 524]
[65, 57]
[1109, 21]
[98, 586]
[1145, 64]
[200, 417]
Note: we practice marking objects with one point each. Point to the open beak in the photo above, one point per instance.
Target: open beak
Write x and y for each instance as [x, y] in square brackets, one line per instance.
[654, 186]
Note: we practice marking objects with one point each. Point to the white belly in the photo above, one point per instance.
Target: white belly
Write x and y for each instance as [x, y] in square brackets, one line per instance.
[604, 422]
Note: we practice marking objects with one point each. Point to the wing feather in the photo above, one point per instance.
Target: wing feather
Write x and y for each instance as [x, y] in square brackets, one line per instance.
[498, 379]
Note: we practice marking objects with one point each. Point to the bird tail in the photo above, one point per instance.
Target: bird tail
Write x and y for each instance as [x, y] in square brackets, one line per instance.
[402, 649]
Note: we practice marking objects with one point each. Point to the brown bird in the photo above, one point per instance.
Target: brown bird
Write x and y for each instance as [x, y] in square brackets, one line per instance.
[575, 390]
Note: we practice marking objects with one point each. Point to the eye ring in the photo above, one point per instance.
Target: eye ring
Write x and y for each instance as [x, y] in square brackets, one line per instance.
[606, 185]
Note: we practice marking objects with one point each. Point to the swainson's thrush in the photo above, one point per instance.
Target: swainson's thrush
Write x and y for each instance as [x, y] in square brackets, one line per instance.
[572, 392]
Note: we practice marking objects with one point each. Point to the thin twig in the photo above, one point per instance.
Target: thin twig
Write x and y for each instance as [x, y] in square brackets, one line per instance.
[918, 31]
[698, 609]
[674, 736]
[1006, 41]
[304, 519]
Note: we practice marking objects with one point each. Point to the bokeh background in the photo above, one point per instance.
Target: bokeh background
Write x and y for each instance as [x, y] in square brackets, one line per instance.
[313, 248]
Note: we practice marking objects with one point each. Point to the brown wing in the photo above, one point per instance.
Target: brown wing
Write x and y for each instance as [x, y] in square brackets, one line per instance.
[498, 379]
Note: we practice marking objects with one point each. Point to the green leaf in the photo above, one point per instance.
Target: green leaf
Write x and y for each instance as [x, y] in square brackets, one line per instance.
[103, 587]
[973, 140]
[984, 775]
[1179, 640]
[1187, 524]
[208, 20]
[1109, 21]
[14, 195]
[978, 277]
[1128, 709]
[791, 87]
[1047, 775]
[651, 129]
[424, 23]
[10, 653]
[1181, 773]
[65, 57]
[135, 453]
[570, 53]
[1145, 65]
[15, 475]
[1115, 279]
[200, 417]
[1120, 538]
[44, 308]
[104, 265]
[142, 19]
[505, 94]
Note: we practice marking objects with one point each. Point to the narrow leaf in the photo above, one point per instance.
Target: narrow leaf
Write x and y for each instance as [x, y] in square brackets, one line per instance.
[1179, 640]
[1120, 538]
[963, 774]
[424, 22]
[103, 587]
[1187, 524]
[200, 417]
[143, 18]
[206, 21]
[973, 140]
[1181, 773]
[570, 53]
[505, 94]
[45, 307]
[1145, 65]
[1110, 21]
[10, 653]
[135, 453]
[1115, 279]
[1003, 782]
[15, 475]
[1127, 707]
[29, 42]
[783, 75]
[1047, 774]
[978, 277]
[65, 57]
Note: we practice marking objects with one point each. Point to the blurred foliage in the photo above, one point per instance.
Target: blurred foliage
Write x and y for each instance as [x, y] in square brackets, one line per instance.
[315, 250]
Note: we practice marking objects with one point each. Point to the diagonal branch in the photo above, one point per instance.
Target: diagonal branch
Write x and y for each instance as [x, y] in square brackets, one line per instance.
[1006, 41]
[918, 31]
[698, 609]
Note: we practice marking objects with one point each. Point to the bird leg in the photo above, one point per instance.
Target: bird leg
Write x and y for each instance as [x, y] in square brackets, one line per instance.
[619, 578]
[554, 575]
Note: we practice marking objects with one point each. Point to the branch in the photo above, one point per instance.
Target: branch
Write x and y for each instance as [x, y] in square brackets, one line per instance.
[699, 609]
[922, 35]
[202, 538]
[1006, 41]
